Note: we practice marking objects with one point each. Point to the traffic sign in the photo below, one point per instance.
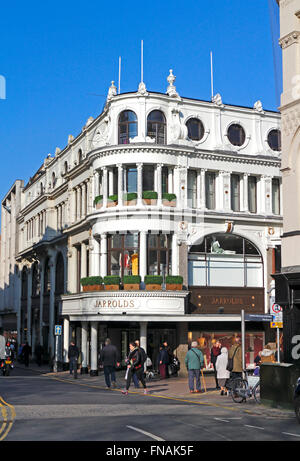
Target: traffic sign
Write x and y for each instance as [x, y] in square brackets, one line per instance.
[276, 308]
[58, 330]
[276, 325]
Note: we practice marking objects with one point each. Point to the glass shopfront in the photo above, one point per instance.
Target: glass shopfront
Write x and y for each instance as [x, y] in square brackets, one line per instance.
[123, 254]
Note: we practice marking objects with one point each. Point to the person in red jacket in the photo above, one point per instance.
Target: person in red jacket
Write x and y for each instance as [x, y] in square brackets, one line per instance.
[214, 353]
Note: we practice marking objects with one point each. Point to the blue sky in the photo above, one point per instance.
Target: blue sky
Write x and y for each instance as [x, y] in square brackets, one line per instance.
[59, 57]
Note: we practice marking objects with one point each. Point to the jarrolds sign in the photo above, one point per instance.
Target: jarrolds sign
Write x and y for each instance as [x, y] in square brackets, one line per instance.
[225, 300]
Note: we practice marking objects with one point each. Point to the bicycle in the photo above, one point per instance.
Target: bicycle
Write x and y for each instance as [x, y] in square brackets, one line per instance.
[243, 388]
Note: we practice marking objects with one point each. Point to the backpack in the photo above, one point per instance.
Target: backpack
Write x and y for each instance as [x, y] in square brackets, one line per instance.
[143, 356]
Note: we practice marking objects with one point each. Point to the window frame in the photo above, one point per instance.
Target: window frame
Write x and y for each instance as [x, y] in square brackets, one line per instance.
[127, 125]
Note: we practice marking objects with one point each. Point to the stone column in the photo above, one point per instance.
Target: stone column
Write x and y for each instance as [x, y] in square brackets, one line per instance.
[83, 199]
[120, 185]
[29, 300]
[94, 349]
[66, 342]
[159, 184]
[268, 195]
[139, 183]
[42, 277]
[72, 269]
[51, 305]
[170, 180]
[203, 189]
[245, 192]
[175, 261]
[104, 186]
[83, 268]
[96, 185]
[95, 257]
[143, 337]
[103, 255]
[84, 347]
[182, 346]
[143, 255]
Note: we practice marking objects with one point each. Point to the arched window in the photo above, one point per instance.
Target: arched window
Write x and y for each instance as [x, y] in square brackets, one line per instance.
[53, 180]
[41, 188]
[195, 129]
[35, 280]
[127, 126]
[24, 283]
[274, 140]
[236, 134]
[79, 156]
[65, 167]
[47, 284]
[225, 259]
[156, 126]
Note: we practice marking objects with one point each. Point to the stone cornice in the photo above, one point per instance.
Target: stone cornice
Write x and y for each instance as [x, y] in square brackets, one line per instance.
[126, 294]
[290, 39]
[178, 151]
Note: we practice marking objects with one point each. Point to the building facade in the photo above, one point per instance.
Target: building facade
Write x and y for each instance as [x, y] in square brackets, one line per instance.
[157, 184]
[288, 280]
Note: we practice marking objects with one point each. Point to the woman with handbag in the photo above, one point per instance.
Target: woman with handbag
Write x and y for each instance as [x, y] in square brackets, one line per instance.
[135, 366]
[221, 367]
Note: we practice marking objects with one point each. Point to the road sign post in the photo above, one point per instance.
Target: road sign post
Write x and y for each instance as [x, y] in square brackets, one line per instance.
[57, 332]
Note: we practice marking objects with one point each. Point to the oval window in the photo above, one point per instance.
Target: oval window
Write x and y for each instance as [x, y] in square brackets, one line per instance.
[195, 129]
[236, 135]
[274, 140]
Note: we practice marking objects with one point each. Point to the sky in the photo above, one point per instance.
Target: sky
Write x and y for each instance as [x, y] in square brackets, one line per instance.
[58, 59]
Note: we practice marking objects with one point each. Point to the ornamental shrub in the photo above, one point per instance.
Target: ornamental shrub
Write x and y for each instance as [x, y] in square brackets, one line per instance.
[128, 279]
[96, 280]
[150, 195]
[153, 279]
[169, 197]
[112, 280]
[175, 279]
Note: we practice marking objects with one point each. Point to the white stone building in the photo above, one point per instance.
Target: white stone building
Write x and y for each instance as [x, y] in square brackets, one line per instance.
[220, 230]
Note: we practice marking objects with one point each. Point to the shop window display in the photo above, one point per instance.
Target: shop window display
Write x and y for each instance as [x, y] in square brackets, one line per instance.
[254, 343]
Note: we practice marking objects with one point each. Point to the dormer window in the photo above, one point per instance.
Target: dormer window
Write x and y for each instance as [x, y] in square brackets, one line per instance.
[195, 129]
[127, 126]
[156, 126]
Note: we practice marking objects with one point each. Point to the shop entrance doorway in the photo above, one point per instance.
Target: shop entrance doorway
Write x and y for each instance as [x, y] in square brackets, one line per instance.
[155, 339]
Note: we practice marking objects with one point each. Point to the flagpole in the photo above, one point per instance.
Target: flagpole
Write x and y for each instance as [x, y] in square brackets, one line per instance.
[142, 60]
[212, 75]
[119, 89]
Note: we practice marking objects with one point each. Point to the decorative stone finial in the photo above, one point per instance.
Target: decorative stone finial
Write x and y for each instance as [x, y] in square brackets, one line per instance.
[112, 91]
[258, 106]
[142, 89]
[171, 90]
[217, 99]
[70, 138]
[57, 151]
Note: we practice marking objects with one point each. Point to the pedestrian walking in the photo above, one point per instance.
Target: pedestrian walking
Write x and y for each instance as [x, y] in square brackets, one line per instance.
[73, 354]
[214, 353]
[26, 352]
[235, 354]
[163, 362]
[109, 360]
[194, 361]
[221, 367]
[135, 367]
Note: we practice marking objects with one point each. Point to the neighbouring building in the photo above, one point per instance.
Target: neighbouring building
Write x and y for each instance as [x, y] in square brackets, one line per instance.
[157, 184]
[288, 279]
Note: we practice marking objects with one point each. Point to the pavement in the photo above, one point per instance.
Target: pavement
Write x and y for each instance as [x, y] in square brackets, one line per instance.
[174, 388]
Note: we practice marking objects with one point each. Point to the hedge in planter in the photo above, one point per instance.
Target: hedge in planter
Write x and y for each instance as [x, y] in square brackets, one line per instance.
[174, 282]
[130, 198]
[149, 197]
[131, 282]
[98, 202]
[153, 282]
[92, 283]
[112, 200]
[112, 282]
[169, 199]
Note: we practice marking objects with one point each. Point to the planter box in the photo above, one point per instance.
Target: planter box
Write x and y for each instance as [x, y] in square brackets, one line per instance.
[111, 204]
[111, 287]
[99, 205]
[167, 203]
[153, 287]
[174, 286]
[92, 288]
[131, 286]
[129, 202]
[149, 201]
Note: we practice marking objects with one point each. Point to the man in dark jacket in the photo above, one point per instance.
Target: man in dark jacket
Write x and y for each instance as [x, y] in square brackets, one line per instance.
[26, 352]
[109, 359]
[73, 354]
[214, 353]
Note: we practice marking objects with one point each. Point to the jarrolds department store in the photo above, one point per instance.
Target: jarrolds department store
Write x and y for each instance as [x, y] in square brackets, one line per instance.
[162, 186]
